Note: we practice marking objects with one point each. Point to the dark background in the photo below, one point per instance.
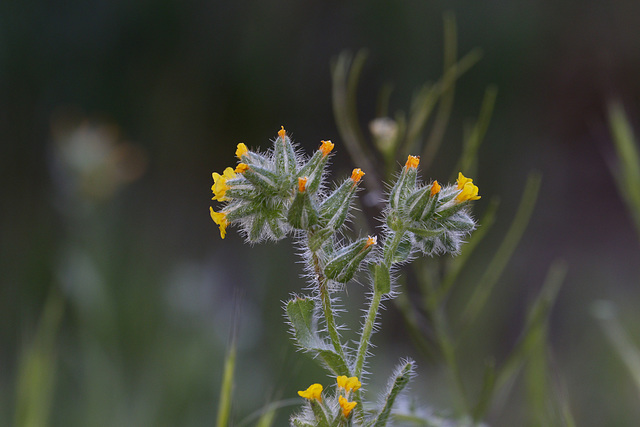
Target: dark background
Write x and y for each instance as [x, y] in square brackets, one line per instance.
[184, 82]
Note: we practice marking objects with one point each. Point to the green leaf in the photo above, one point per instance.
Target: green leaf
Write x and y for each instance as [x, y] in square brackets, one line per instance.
[399, 382]
[300, 312]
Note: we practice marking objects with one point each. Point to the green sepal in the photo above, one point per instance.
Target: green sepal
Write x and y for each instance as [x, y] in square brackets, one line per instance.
[316, 238]
[241, 211]
[318, 412]
[426, 233]
[313, 171]
[256, 228]
[263, 179]
[403, 252]
[451, 209]
[335, 208]
[346, 261]
[285, 157]
[381, 279]
[302, 214]
[461, 223]
[404, 185]
[394, 221]
[300, 312]
[276, 228]
[421, 205]
[400, 380]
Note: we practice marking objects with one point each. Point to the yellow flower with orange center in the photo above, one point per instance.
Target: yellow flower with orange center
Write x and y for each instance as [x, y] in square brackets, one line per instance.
[302, 184]
[435, 188]
[242, 168]
[313, 392]
[469, 190]
[357, 175]
[220, 186]
[371, 240]
[326, 147]
[242, 150]
[351, 383]
[412, 161]
[346, 406]
[220, 218]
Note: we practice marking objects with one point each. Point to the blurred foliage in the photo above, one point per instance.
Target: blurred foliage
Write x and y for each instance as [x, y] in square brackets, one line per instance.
[422, 131]
[146, 288]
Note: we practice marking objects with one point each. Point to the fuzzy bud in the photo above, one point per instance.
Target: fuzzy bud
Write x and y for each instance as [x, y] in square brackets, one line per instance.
[346, 261]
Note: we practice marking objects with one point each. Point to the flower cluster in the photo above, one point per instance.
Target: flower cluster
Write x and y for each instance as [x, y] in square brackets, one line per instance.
[273, 194]
[435, 218]
[281, 192]
[327, 412]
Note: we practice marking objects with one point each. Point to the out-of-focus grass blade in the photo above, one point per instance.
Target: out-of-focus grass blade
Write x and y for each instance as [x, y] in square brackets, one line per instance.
[484, 401]
[605, 312]
[267, 413]
[226, 390]
[628, 177]
[536, 321]
[478, 131]
[37, 367]
[446, 99]
[457, 263]
[426, 100]
[505, 250]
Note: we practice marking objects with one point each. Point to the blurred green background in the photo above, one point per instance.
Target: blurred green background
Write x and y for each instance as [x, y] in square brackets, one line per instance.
[113, 114]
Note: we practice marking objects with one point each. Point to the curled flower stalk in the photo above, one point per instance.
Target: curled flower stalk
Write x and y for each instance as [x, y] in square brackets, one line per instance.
[281, 193]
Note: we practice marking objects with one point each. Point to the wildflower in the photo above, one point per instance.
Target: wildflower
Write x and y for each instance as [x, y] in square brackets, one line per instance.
[435, 188]
[350, 383]
[412, 162]
[220, 218]
[220, 186]
[370, 241]
[462, 180]
[357, 175]
[469, 190]
[242, 150]
[313, 392]
[302, 184]
[326, 147]
[242, 168]
[346, 406]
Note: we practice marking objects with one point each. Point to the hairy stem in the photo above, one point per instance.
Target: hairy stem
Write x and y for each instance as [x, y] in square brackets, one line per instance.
[326, 307]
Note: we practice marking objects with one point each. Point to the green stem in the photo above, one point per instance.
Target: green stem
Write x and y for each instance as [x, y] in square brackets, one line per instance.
[326, 307]
[366, 332]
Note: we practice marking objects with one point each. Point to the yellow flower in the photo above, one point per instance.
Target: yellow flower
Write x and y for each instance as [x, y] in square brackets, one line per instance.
[282, 133]
[357, 175]
[462, 180]
[469, 190]
[435, 188]
[352, 383]
[242, 150]
[412, 161]
[313, 392]
[346, 406]
[370, 241]
[220, 218]
[242, 168]
[302, 184]
[326, 147]
[220, 186]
